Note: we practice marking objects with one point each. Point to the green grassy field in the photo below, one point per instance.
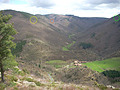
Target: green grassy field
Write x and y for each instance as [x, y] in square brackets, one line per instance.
[56, 63]
[66, 48]
[108, 64]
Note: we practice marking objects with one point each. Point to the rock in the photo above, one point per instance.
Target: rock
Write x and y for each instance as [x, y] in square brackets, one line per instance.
[67, 66]
[16, 67]
[30, 77]
[113, 87]
[26, 83]
[109, 86]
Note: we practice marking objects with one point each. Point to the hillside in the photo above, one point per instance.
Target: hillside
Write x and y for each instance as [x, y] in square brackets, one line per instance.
[105, 38]
[72, 24]
[49, 40]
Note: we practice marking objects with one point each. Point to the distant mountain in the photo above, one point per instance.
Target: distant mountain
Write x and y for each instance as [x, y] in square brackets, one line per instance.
[74, 24]
[105, 37]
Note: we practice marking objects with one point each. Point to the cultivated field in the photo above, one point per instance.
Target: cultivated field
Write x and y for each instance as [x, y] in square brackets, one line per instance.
[108, 64]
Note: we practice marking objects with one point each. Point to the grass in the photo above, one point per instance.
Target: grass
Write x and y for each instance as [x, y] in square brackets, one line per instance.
[71, 35]
[56, 63]
[108, 64]
[66, 48]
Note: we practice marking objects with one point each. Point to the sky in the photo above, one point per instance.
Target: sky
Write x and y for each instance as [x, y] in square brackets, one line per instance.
[81, 8]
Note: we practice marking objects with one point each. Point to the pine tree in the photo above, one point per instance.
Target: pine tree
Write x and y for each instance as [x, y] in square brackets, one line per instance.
[7, 60]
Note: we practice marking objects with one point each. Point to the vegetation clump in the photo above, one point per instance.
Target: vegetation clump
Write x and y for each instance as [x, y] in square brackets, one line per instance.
[19, 47]
[85, 45]
[111, 73]
[7, 60]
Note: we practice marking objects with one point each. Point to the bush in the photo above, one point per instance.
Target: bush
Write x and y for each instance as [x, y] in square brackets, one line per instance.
[12, 84]
[31, 85]
[93, 35]
[2, 86]
[15, 88]
[21, 73]
[111, 73]
[12, 78]
[26, 71]
[15, 70]
[86, 45]
[29, 79]
[18, 49]
[39, 66]
[102, 87]
[37, 83]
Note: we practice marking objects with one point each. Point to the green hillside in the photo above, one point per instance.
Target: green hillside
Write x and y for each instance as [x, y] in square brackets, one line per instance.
[108, 64]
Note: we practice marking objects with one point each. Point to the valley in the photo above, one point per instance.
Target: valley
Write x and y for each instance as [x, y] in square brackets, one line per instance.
[48, 50]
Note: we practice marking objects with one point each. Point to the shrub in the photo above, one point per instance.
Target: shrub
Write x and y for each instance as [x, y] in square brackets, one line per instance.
[26, 71]
[15, 88]
[102, 87]
[39, 65]
[37, 83]
[12, 84]
[93, 35]
[21, 73]
[11, 78]
[111, 73]
[86, 45]
[18, 49]
[31, 85]
[15, 70]
[29, 79]
[2, 86]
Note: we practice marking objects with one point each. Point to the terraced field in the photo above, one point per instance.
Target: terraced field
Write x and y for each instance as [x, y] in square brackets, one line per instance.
[108, 64]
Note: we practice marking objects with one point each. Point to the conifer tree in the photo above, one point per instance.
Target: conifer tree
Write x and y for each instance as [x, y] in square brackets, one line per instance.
[7, 60]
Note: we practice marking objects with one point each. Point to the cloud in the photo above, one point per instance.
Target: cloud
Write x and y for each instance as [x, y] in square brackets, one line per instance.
[4, 1]
[97, 2]
[42, 3]
[106, 3]
[82, 8]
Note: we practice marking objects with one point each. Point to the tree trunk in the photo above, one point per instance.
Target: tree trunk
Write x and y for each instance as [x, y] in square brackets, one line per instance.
[2, 71]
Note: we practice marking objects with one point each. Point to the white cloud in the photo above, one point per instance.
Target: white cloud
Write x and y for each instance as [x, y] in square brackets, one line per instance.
[42, 3]
[81, 8]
